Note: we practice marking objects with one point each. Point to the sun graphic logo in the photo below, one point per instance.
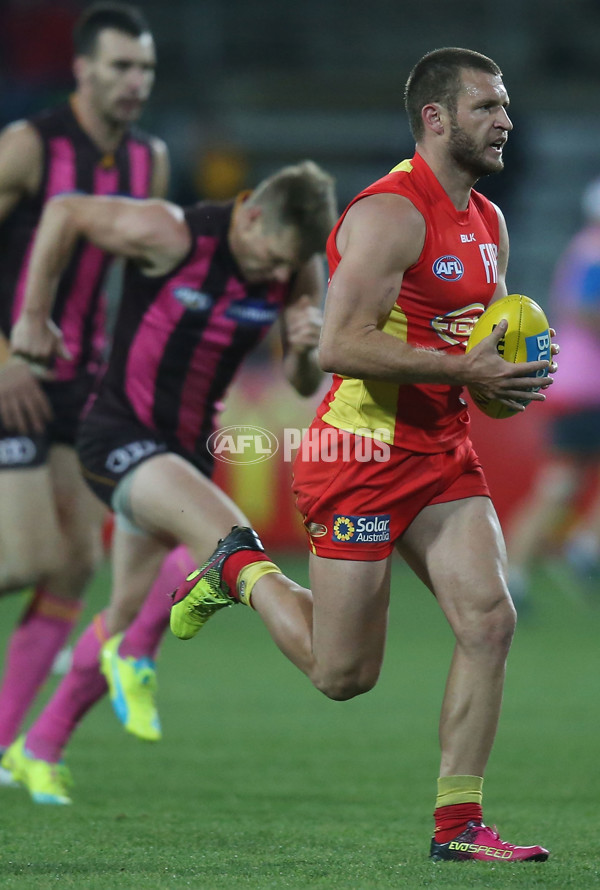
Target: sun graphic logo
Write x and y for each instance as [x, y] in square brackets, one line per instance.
[343, 528]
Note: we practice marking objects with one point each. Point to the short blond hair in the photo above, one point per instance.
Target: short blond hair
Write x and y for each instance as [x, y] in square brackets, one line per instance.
[301, 196]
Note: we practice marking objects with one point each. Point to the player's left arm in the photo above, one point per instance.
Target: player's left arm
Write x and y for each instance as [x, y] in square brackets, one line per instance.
[161, 170]
[301, 324]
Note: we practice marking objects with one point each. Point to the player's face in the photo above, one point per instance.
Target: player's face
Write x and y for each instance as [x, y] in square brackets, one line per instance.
[480, 126]
[118, 77]
[267, 255]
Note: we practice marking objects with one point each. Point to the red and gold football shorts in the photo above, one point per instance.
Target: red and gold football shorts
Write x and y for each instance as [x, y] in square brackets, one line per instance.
[357, 496]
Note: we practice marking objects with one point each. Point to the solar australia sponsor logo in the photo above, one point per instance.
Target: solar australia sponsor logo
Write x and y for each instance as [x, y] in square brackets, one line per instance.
[448, 268]
[196, 300]
[361, 529]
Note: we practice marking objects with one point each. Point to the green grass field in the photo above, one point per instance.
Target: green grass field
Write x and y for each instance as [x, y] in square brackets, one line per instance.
[260, 782]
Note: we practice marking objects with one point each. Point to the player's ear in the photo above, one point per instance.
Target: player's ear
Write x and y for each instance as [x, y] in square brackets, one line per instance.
[432, 116]
[252, 214]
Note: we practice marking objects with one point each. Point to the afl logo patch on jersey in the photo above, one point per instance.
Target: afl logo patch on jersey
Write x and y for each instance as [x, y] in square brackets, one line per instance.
[448, 268]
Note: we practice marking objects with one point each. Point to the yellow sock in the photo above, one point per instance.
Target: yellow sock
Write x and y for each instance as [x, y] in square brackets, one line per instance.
[250, 574]
[459, 789]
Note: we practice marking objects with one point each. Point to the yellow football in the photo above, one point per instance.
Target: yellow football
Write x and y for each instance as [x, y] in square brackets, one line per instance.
[527, 339]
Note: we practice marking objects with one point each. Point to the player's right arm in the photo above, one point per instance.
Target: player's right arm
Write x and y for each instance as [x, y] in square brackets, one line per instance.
[23, 404]
[152, 233]
[21, 155]
[380, 238]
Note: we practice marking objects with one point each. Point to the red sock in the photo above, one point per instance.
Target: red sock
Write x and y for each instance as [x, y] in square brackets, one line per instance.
[452, 820]
[238, 561]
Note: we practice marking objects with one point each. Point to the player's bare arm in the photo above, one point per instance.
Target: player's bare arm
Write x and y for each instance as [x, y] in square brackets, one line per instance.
[301, 324]
[20, 165]
[152, 233]
[23, 404]
[20, 173]
[380, 238]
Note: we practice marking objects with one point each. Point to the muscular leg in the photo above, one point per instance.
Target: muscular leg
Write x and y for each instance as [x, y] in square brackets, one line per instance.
[175, 503]
[339, 642]
[458, 549]
[136, 560]
[143, 636]
[172, 503]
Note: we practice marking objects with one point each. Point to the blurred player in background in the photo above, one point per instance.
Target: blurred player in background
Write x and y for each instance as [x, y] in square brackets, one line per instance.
[411, 254]
[552, 509]
[202, 288]
[50, 525]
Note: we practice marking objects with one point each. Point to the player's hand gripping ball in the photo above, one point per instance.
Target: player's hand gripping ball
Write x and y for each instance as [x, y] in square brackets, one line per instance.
[527, 339]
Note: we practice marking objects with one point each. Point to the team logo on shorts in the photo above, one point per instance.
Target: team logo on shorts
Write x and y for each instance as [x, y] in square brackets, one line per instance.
[361, 529]
[448, 268]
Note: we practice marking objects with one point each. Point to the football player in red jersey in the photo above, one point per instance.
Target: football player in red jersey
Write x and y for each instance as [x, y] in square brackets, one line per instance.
[418, 246]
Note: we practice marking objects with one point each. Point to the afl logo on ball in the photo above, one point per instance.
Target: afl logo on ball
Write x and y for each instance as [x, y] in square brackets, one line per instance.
[448, 268]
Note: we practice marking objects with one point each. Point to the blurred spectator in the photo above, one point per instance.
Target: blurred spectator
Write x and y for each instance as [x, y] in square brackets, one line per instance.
[564, 504]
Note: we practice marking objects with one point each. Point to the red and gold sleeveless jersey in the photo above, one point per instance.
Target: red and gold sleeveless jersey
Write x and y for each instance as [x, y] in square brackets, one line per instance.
[441, 297]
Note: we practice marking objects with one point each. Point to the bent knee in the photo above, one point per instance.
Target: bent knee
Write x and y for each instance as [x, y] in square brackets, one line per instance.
[346, 684]
[492, 630]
